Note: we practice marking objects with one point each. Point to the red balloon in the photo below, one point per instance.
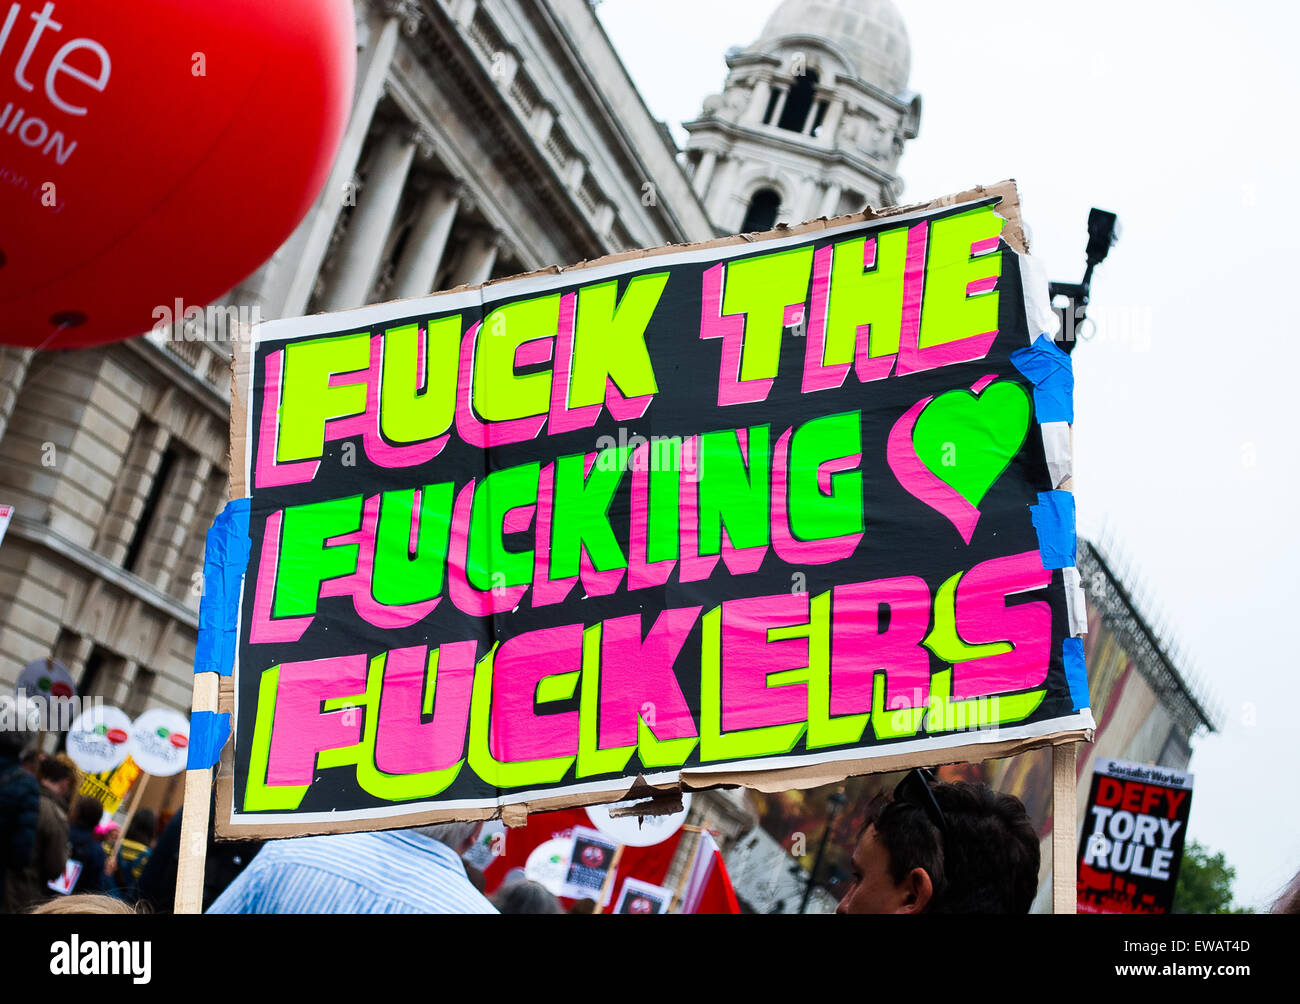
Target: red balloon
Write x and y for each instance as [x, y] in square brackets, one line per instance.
[156, 151]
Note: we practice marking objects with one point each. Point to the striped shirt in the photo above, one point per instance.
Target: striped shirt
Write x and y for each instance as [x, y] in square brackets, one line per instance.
[393, 871]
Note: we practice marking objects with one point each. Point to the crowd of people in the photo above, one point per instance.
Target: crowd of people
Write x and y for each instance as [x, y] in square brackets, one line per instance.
[929, 847]
[45, 824]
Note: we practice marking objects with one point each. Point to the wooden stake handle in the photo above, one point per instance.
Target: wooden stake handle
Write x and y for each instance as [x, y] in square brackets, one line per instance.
[1065, 844]
[195, 813]
[609, 878]
[136, 794]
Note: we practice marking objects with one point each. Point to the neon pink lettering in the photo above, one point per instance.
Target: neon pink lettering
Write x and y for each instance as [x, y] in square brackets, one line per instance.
[983, 617]
[404, 744]
[749, 658]
[635, 673]
[300, 730]
[517, 731]
[860, 648]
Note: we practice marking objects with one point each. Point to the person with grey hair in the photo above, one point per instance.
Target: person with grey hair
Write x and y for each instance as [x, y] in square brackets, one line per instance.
[525, 896]
[390, 871]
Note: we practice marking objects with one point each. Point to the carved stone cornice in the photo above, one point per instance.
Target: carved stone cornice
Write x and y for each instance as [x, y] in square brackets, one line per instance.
[410, 11]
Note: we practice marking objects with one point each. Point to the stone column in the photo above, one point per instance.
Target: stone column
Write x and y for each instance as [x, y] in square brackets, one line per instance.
[73, 650]
[363, 245]
[758, 102]
[115, 674]
[834, 115]
[831, 200]
[722, 197]
[418, 269]
[811, 120]
[780, 104]
[704, 173]
[476, 263]
[305, 251]
[13, 371]
[808, 201]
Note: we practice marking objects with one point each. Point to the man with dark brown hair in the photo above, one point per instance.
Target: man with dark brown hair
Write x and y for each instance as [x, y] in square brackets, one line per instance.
[944, 848]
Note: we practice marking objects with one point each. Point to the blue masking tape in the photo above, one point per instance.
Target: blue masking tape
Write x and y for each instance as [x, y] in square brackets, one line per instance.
[1054, 520]
[224, 564]
[208, 734]
[1076, 674]
[1050, 371]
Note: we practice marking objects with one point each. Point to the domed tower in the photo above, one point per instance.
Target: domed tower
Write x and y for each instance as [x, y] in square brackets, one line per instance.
[812, 119]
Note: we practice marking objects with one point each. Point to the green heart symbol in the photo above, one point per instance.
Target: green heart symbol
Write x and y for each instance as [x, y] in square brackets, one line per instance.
[967, 441]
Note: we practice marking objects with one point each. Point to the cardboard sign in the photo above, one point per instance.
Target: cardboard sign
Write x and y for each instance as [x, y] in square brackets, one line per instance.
[6, 514]
[589, 864]
[159, 741]
[99, 738]
[66, 882]
[768, 512]
[1133, 835]
[110, 787]
[643, 898]
[46, 678]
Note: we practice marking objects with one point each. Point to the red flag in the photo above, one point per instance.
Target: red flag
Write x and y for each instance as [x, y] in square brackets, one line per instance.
[521, 841]
[708, 888]
[649, 864]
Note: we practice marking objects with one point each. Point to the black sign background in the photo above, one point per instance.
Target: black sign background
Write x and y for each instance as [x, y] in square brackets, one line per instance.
[903, 536]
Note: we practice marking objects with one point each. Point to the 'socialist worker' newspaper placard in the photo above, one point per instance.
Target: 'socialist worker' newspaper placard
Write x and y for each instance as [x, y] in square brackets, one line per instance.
[1133, 836]
[768, 511]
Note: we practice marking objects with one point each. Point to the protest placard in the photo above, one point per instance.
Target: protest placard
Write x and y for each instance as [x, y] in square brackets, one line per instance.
[1133, 834]
[643, 898]
[767, 511]
[591, 862]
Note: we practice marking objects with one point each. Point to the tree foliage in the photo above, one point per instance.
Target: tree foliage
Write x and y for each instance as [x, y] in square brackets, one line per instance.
[1204, 882]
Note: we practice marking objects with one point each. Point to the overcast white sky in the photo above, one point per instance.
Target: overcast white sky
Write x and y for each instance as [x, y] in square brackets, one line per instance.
[1180, 118]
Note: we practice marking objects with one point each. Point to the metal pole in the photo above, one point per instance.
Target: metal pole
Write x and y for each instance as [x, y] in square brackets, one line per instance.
[835, 801]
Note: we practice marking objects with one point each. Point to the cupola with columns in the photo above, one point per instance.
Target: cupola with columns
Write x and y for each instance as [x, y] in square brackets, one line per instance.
[812, 119]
